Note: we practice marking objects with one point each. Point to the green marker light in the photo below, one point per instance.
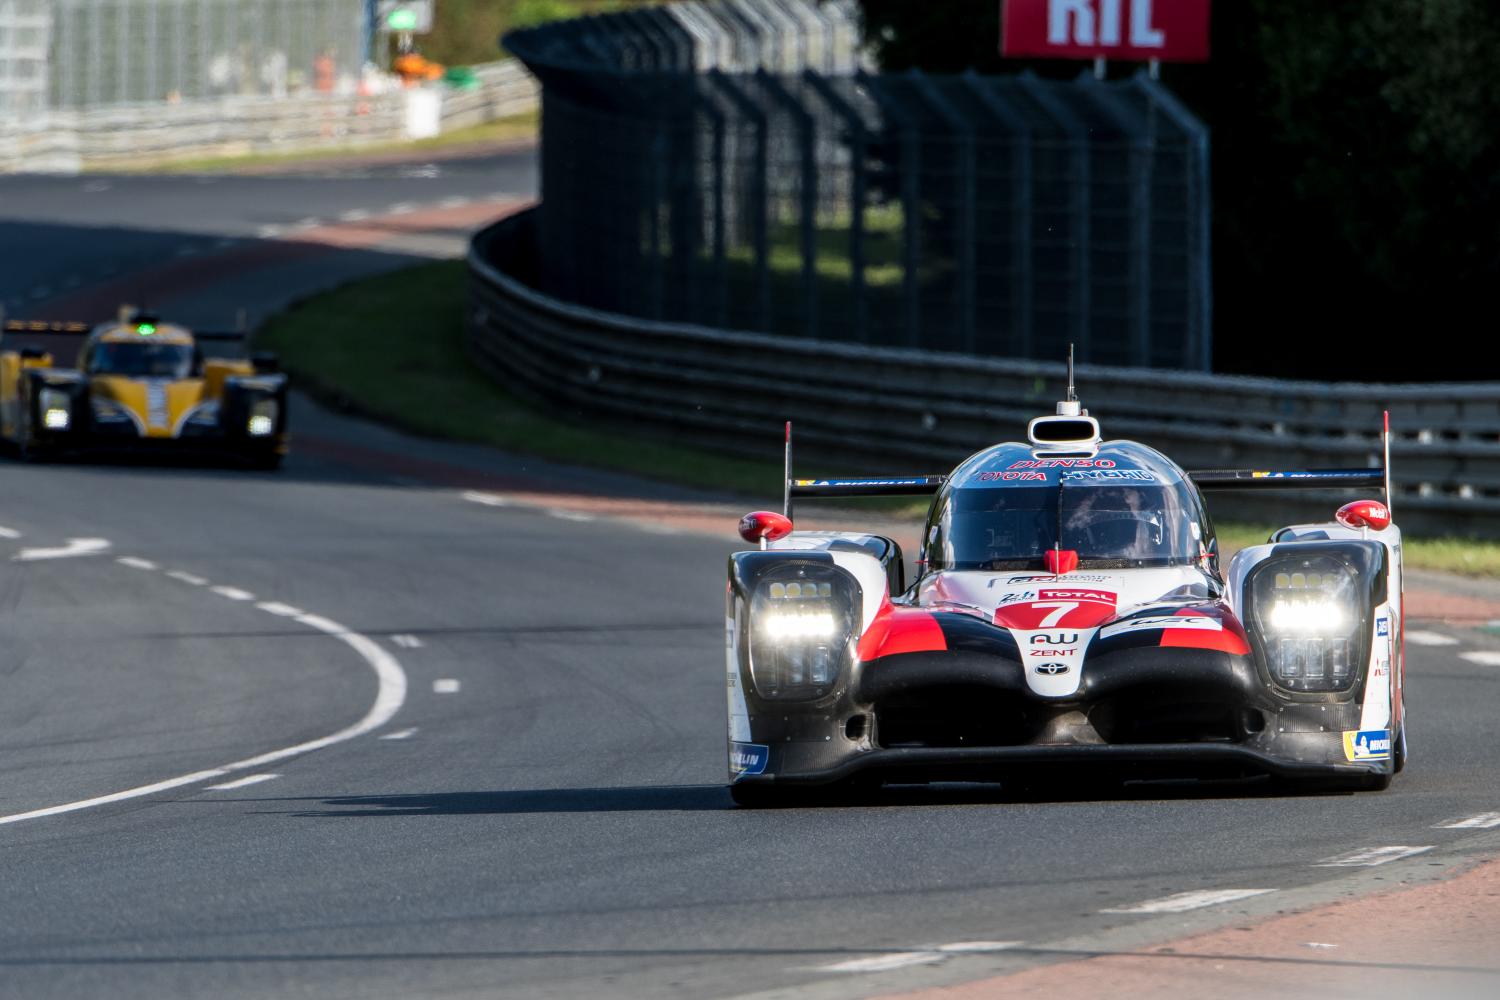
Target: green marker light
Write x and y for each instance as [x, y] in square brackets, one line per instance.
[401, 19]
[146, 329]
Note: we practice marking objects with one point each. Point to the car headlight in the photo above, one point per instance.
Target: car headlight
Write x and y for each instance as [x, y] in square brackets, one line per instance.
[56, 409]
[262, 420]
[1311, 620]
[801, 626]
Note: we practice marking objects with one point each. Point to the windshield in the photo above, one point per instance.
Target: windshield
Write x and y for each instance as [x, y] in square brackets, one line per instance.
[142, 360]
[1109, 527]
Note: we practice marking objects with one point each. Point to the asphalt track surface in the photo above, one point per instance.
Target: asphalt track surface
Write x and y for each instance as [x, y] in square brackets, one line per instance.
[537, 808]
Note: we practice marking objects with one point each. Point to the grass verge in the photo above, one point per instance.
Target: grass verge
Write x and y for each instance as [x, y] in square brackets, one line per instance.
[513, 128]
[393, 349]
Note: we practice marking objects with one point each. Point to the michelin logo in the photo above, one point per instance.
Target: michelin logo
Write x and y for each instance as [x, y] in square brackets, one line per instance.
[748, 758]
[1368, 744]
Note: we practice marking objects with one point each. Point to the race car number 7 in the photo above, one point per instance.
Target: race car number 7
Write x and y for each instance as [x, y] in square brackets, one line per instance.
[1055, 618]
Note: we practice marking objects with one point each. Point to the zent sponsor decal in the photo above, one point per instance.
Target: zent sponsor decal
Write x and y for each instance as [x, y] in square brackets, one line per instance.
[1367, 744]
[748, 758]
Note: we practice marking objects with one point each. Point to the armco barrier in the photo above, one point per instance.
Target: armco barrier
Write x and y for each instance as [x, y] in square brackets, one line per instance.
[883, 410]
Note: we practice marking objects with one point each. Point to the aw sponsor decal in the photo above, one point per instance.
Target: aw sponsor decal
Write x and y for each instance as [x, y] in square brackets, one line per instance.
[1367, 744]
[748, 758]
[1060, 607]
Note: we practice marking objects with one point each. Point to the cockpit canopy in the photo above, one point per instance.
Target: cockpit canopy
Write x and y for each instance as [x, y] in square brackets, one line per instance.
[1125, 506]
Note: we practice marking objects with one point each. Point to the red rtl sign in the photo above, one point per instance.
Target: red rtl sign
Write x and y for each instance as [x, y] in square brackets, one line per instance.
[1134, 30]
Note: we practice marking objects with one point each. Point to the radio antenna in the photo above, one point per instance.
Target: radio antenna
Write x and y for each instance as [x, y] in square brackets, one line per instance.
[1072, 395]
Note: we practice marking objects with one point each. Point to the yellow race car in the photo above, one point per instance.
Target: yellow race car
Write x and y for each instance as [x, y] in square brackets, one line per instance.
[139, 384]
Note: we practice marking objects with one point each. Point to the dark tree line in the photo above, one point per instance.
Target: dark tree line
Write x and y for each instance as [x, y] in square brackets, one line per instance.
[1356, 173]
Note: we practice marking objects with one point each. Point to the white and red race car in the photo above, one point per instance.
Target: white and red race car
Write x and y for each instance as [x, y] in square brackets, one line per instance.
[1069, 619]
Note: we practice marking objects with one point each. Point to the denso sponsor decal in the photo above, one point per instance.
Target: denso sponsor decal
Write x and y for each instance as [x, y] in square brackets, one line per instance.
[1065, 463]
[748, 758]
[1204, 622]
[1382, 626]
[1368, 744]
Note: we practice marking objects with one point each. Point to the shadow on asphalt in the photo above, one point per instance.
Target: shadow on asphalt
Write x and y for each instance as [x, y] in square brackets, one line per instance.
[701, 798]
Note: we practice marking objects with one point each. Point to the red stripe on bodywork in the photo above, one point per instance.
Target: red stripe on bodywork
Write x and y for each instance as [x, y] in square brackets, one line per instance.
[901, 630]
[1231, 639]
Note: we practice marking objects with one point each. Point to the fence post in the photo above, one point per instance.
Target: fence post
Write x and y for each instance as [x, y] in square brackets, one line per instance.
[859, 148]
[967, 211]
[1198, 345]
[1142, 161]
[1082, 206]
[1023, 336]
[760, 227]
[808, 195]
[911, 204]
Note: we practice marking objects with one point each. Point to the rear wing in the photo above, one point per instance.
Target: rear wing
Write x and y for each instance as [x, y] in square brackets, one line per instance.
[68, 328]
[1208, 480]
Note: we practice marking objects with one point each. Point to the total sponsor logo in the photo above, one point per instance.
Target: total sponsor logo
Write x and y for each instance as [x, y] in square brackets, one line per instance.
[1367, 744]
[748, 758]
[1102, 596]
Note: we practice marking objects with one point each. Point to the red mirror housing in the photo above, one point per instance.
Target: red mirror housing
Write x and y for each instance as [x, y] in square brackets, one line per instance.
[764, 524]
[1060, 561]
[1365, 514]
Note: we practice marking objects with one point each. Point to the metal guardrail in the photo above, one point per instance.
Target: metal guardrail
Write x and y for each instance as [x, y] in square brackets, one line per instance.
[66, 141]
[892, 409]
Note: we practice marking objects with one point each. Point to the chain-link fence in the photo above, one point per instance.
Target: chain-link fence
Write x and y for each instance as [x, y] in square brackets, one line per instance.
[731, 165]
[77, 55]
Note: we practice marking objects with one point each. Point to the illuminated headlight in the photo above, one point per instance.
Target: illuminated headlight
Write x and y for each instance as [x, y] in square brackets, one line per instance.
[56, 408]
[1309, 617]
[801, 625]
[262, 418]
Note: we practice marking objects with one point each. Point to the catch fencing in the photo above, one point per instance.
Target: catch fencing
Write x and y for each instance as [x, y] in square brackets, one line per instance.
[737, 165]
[66, 141]
[888, 410]
[81, 55]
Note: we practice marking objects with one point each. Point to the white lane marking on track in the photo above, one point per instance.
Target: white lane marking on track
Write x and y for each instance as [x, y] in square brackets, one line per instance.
[277, 608]
[192, 579]
[1483, 657]
[9, 533]
[920, 956]
[1372, 856]
[135, 563]
[571, 515]
[270, 232]
[401, 734]
[488, 499]
[401, 208]
[457, 201]
[407, 641]
[1184, 901]
[445, 685]
[310, 222]
[75, 547]
[1422, 638]
[233, 593]
[252, 779]
[1483, 821]
[389, 697]
[355, 215]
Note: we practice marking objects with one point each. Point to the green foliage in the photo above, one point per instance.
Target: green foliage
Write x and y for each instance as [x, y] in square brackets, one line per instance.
[1356, 167]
